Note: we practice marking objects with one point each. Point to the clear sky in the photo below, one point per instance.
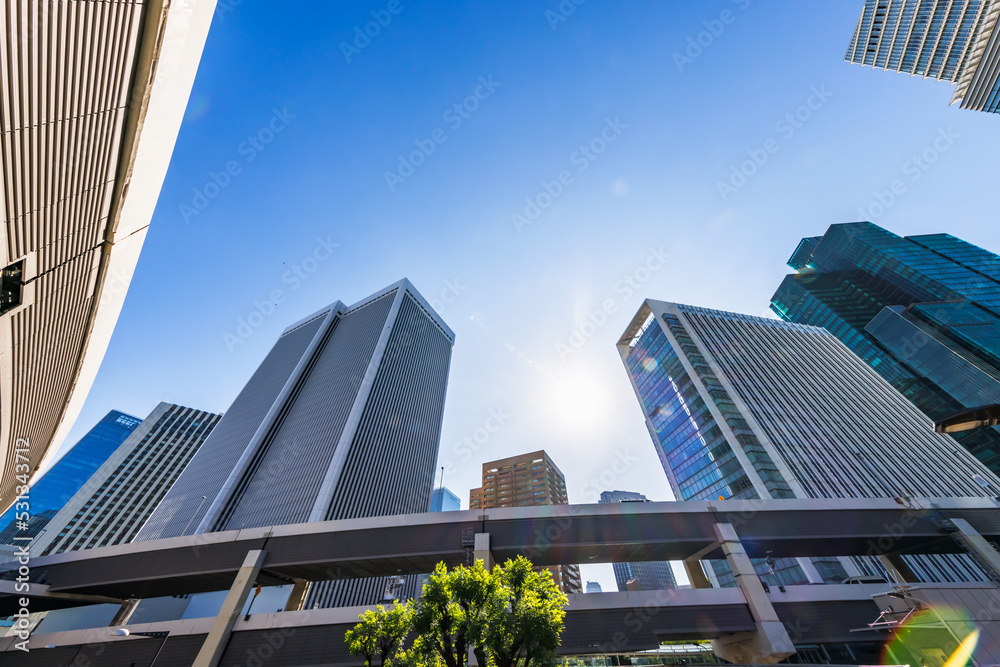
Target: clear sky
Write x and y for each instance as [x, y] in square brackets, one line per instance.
[642, 109]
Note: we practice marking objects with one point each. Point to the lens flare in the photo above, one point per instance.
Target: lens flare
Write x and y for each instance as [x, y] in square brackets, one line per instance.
[964, 651]
[650, 365]
[933, 637]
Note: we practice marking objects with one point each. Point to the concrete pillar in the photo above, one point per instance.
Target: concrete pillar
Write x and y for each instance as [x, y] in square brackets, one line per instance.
[482, 550]
[215, 644]
[980, 549]
[696, 574]
[769, 642]
[124, 613]
[298, 597]
[898, 569]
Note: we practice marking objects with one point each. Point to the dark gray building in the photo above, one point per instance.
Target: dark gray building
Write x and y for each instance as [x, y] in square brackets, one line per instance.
[342, 420]
[650, 576]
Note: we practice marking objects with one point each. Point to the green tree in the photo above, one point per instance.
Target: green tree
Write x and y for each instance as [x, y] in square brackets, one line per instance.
[511, 616]
[381, 633]
[524, 631]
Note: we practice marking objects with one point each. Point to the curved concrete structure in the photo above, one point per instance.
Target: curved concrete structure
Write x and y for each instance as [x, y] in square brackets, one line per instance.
[91, 103]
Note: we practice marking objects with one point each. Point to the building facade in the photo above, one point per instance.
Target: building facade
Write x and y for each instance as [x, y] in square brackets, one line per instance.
[342, 420]
[749, 407]
[92, 101]
[117, 499]
[524, 481]
[946, 40]
[643, 576]
[69, 474]
[923, 311]
[443, 500]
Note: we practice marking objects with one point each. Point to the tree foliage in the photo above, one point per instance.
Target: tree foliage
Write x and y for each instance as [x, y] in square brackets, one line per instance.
[511, 616]
[381, 633]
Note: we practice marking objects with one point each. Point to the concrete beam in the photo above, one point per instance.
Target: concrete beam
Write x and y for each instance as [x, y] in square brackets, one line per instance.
[124, 613]
[979, 547]
[898, 569]
[298, 596]
[215, 644]
[696, 574]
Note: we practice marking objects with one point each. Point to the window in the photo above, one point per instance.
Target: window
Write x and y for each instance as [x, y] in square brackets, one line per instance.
[11, 283]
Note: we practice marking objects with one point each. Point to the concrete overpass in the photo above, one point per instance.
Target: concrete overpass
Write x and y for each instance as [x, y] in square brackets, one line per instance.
[595, 623]
[414, 544]
[749, 626]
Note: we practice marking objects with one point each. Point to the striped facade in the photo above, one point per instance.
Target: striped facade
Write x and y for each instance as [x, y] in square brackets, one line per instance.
[93, 94]
[116, 501]
[748, 407]
[342, 420]
[945, 40]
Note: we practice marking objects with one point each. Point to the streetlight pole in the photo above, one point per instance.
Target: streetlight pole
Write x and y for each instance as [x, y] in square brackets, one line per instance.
[203, 498]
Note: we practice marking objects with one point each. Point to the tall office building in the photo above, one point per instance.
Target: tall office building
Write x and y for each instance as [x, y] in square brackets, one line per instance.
[651, 575]
[748, 407]
[68, 474]
[946, 40]
[117, 499]
[342, 420]
[923, 311]
[524, 481]
[443, 500]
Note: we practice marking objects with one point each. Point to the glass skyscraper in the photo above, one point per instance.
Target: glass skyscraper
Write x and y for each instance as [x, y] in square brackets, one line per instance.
[946, 40]
[923, 311]
[443, 500]
[749, 407]
[649, 575]
[69, 474]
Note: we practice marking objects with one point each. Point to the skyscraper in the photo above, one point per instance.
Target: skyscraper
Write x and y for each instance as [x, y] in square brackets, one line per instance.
[748, 407]
[650, 575]
[947, 40]
[68, 474]
[118, 498]
[923, 311]
[341, 420]
[443, 500]
[524, 481]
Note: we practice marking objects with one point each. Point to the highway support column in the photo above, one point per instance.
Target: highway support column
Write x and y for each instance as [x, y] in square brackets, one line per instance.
[482, 550]
[215, 644]
[769, 642]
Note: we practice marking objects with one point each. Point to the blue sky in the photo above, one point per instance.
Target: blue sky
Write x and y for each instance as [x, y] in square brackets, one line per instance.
[642, 108]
